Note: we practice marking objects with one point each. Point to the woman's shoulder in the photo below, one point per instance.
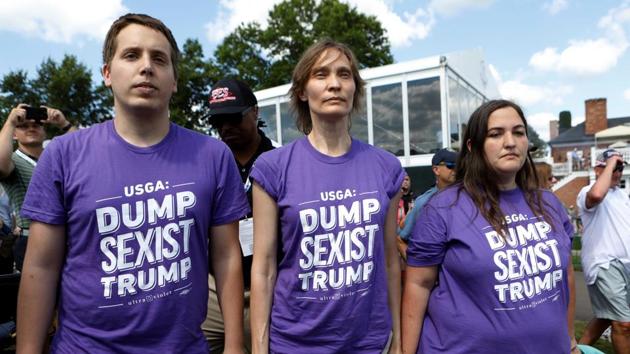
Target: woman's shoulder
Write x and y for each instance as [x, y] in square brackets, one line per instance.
[275, 158]
[375, 153]
[549, 198]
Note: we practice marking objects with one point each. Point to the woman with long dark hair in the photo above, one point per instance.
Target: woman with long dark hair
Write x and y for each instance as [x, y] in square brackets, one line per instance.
[489, 260]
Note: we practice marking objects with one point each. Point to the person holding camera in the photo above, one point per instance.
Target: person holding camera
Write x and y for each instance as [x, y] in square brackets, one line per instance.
[604, 209]
[25, 125]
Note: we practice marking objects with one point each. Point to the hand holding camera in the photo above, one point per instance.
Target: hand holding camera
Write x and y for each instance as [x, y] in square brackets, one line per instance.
[40, 115]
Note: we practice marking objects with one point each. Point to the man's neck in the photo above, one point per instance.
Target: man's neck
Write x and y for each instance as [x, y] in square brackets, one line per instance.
[142, 131]
[244, 155]
[32, 150]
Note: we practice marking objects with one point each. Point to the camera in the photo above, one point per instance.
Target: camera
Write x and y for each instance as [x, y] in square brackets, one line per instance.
[38, 114]
[619, 167]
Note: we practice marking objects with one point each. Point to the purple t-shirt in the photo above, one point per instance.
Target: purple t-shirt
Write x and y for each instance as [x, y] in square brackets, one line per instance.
[331, 292]
[137, 219]
[494, 294]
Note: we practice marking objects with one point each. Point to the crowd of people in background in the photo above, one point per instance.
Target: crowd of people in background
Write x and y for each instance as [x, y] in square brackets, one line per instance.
[145, 236]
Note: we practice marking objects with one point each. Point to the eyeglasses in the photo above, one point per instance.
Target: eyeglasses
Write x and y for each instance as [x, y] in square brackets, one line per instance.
[449, 165]
[218, 120]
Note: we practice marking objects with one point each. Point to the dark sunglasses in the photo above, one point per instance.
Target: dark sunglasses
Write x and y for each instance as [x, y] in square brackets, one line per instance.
[218, 120]
[619, 167]
[449, 165]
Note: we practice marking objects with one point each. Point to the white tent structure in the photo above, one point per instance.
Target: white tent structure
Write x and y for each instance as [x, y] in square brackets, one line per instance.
[614, 132]
[618, 145]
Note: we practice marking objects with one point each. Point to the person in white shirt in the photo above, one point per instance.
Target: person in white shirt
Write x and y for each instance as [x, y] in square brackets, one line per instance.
[604, 209]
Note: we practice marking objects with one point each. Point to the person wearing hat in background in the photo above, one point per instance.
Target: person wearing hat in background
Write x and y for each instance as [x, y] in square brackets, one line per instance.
[443, 166]
[234, 115]
[604, 209]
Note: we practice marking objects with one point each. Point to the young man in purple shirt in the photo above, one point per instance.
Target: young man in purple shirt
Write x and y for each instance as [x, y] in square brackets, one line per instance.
[122, 213]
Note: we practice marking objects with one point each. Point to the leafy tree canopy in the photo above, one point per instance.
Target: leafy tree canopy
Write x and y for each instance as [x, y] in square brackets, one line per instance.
[66, 85]
[565, 120]
[266, 57]
[535, 140]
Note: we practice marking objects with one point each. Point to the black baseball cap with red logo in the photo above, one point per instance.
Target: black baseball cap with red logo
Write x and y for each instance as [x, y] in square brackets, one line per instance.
[230, 96]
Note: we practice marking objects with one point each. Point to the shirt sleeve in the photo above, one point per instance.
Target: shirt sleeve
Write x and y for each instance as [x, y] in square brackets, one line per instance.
[266, 176]
[230, 202]
[581, 201]
[398, 174]
[427, 243]
[45, 195]
[564, 217]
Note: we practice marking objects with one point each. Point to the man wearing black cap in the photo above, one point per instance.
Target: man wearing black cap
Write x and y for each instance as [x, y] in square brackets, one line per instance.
[234, 115]
[443, 166]
[604, 209]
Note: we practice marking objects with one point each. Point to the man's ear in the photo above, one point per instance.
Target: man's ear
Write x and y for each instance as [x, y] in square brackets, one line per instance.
[106, 75]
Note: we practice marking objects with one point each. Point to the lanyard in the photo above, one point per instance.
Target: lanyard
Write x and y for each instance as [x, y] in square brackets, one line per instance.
[26, 157]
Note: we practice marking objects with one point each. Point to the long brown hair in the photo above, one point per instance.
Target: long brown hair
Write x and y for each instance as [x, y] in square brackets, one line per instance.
[302, 73]
[474, 175]
[545, 175]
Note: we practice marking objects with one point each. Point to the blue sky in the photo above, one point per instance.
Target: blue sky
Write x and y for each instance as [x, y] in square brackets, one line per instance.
[548, 55]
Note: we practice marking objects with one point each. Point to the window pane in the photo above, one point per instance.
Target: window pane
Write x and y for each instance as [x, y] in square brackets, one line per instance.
[454, 109]
[268, 115]
[387, 118]
[289, 130]
[425, 116]
[465, 112]
[359, 128]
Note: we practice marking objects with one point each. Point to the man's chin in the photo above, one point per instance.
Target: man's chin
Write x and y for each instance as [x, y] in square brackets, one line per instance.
[32, 143]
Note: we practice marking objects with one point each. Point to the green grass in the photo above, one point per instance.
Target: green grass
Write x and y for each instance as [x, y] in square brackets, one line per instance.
[577, 263]
[601, 344]
[577, 242]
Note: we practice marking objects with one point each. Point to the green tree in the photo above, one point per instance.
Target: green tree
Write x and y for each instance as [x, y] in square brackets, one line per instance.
[536, 141]
[196, 75]
[14, 89]
[266, 57]
[66, 86]
[240, 55]
[565, 121]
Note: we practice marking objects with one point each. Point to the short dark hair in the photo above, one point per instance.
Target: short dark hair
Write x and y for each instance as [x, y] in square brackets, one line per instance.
[302, 73]
[109, 46]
